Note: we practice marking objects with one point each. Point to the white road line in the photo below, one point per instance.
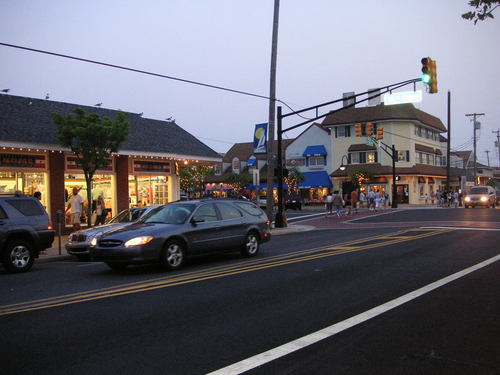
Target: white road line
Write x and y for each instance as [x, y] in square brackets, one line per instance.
[463, 228]
[292, 346]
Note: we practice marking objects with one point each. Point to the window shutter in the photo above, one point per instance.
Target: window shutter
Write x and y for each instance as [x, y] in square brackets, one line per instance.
[347, 131]
[407, 155]
[349, 159]
[336, 133]
[376, 157]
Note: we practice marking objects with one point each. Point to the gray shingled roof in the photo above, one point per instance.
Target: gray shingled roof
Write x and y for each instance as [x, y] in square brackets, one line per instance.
[28, 120]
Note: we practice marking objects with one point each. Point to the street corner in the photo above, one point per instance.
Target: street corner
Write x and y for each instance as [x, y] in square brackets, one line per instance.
[292, 229]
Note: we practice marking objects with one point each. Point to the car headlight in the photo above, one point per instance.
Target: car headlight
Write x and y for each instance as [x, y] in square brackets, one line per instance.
[136, 241]
[484, 199]
[93, 242]
[467, 199]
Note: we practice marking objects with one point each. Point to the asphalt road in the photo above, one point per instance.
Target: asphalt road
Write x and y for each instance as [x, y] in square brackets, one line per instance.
[81, 318]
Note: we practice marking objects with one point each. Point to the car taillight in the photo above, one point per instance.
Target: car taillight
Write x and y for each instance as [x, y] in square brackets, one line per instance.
[49, 227]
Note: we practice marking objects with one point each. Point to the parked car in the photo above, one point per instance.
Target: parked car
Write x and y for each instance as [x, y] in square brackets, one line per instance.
[294, 202]
[78, 243]
[182, 229]
[25, 230]
[480, 196]
[262, 201]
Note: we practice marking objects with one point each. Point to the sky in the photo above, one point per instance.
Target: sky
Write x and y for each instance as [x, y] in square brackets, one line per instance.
[325, 48]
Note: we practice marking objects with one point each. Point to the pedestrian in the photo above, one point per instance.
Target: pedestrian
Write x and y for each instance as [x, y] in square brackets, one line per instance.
[75, 206]
[371, 200]
[347, 203]
[354, 200]
[386, 200]
[455, 199]
[38, 195]
[338, 202]
[362, 199]
[101, 211]
[329, 204]
[378, 198]
[433, 197]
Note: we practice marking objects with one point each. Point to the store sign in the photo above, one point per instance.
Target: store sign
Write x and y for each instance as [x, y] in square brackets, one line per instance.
[72, 164]
[152, 166]
[22, 161]
[403, 97]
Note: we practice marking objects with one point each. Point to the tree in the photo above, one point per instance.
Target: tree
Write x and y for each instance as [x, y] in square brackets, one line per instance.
[191, 178]
[92, 138]
[484, 10]
[294, 178]
[359, 176]
[238, 182]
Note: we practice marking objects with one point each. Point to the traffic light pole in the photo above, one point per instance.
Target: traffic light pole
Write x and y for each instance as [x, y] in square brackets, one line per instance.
[280, 219]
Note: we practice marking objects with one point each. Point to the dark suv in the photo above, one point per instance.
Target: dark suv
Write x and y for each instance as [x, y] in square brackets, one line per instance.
[25, 230]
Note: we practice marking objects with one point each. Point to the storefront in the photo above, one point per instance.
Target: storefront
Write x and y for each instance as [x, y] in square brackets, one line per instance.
[150, 182]
[24, 172]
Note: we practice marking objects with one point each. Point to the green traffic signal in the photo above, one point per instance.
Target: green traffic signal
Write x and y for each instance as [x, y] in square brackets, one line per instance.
[426, 78]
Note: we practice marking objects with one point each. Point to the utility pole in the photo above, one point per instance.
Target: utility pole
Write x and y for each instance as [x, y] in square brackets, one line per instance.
[448, 144]
[488, 156]
[272, 113]
[498, 144]
[475, 115]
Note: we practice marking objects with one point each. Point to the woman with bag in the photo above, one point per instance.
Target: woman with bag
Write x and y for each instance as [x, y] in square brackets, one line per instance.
[101, 211]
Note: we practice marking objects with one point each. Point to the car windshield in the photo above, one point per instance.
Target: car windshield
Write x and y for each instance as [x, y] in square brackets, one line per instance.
[479, 190]
[169, 214]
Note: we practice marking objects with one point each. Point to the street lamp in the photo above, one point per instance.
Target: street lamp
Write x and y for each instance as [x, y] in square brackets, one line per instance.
[343, 166]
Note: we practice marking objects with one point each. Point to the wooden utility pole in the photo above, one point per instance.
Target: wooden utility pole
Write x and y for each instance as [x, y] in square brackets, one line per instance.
[475, 115]
[488, 156]
[271, 149]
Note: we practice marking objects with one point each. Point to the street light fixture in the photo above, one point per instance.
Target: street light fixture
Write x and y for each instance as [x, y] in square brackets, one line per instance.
[343, 166]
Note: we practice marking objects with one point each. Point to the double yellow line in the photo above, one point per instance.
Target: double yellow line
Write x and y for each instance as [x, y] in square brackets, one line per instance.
[222, 271]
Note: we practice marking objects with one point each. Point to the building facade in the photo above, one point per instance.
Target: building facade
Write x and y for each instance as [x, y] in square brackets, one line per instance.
[143, 172]
[416, 136]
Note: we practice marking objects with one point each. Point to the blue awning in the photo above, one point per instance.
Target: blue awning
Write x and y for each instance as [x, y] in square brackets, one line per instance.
[318, 179]
[318, 150]
[251, 162]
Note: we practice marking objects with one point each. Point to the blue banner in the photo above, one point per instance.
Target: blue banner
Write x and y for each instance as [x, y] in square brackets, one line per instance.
[260, 139]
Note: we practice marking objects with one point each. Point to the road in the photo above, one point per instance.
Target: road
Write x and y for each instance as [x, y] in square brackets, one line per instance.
[374, 300]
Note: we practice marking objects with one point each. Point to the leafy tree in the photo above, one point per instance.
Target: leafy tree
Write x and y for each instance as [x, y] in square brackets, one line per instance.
[483, 10]
[359, 176]
[294, 178]
[191, 178]
[238, 182]
[92, 138]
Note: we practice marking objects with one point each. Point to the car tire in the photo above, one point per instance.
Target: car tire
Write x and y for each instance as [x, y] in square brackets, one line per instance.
[117, 266]
[18, 256]
[173, 255]
[251, 246]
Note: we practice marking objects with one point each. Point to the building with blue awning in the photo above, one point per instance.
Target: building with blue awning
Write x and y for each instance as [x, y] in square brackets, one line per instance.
[315, 180]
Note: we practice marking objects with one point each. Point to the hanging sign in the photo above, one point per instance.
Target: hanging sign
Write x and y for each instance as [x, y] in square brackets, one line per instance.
[403, 97]
[260, 139]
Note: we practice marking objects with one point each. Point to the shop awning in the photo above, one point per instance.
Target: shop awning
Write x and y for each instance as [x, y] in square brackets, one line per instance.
[251, 162]
[318, 179]
[318, 150]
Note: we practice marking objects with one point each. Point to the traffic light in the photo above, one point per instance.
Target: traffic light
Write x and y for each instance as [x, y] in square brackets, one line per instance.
[429, 74]
[357, 130]
[380, 133]
[369, 129]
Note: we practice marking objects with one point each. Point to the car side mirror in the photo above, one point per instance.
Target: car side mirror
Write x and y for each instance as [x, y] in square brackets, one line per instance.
[196, 220]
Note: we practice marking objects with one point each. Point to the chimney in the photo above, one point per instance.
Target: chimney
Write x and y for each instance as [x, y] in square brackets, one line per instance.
[376, 100]
[349, 98]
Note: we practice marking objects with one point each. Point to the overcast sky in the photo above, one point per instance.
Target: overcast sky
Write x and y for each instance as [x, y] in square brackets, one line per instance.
[325, 48]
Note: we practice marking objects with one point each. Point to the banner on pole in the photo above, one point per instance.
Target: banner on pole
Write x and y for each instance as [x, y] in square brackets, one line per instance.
[260, 139]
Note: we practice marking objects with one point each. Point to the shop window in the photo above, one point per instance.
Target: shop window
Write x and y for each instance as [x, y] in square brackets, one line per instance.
[26, 182]
[371, 157]
[148, 190]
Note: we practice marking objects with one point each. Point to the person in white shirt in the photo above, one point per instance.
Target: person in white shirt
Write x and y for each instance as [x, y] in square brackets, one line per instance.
[75, 204]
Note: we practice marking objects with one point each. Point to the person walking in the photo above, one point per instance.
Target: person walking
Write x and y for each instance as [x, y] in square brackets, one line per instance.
[362, 199]
[338, 202]
[329, 204]
[371, 200]
[354, 200]
[347, 203]
[75, 206]
[100, 210]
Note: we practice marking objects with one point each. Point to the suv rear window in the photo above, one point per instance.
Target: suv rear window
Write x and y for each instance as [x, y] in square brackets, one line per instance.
[249, 208]
[27, 207]
[479, 190]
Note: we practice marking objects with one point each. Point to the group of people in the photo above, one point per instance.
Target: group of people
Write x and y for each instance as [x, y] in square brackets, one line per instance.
[373, 200]
[74, 206]
[445, 198]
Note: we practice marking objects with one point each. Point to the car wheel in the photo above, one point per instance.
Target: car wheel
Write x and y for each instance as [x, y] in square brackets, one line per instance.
[18, 256]
[117, 266]
[173, 255]
[251, 246]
